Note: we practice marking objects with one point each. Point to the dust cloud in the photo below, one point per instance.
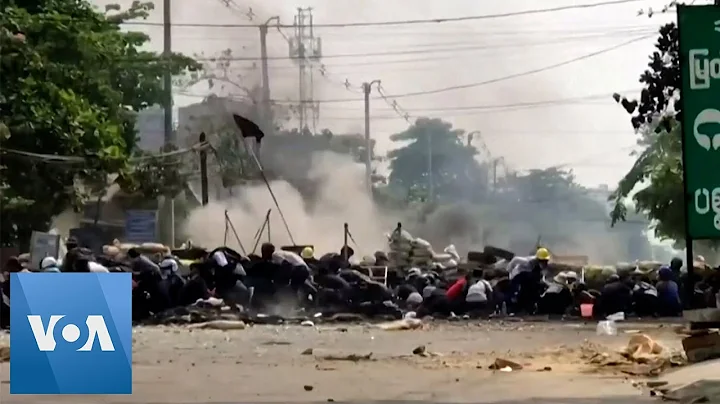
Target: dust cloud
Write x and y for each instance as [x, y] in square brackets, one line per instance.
[342, 198]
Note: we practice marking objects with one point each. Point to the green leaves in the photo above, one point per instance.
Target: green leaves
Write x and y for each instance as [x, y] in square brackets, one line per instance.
[436, 148]
[70, 80]
[654, 183]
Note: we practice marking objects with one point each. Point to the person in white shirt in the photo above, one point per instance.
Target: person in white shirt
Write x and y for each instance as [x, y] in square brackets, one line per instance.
[280, 256]
[97, 268]
[479, 295]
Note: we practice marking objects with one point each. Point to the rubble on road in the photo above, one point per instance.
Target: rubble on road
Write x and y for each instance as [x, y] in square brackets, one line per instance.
[4, 353]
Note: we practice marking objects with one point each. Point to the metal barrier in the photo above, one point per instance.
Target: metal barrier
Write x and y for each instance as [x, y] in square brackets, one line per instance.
[377, 273]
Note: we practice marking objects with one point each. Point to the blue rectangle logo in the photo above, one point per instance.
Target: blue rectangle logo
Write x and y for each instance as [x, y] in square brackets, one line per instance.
[71, 333]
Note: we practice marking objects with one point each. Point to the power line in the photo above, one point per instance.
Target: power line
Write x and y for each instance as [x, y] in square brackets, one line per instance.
[557, 101]
[522, 74]
[503, 78]
[408, 22]
[412, 51]
[355, 35]
[361, 37]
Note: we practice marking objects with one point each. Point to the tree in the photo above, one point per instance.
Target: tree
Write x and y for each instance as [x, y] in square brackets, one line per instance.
[71, 83]
[436, 149]
[654, 183]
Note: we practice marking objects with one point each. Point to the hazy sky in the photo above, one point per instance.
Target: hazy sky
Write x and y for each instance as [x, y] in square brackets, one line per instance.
[583, 128]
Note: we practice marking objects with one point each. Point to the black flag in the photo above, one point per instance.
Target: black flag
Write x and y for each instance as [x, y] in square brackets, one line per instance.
[248, 128]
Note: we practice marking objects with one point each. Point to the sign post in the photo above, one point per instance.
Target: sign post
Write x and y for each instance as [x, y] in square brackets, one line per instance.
[699, 40]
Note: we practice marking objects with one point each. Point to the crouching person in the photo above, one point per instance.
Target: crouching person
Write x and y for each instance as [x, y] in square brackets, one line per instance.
[478, 301]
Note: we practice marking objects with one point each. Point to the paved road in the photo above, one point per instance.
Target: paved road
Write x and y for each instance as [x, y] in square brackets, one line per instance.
[265, 364]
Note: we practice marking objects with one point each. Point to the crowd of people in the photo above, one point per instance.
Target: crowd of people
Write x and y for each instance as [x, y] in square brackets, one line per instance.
[277, 278]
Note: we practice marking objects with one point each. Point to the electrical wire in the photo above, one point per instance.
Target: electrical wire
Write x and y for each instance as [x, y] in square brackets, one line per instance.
[498, 79]
[440, 50]
[552, 102]
[407, 22]
[522, 74]
[53, 158]
[468, 39]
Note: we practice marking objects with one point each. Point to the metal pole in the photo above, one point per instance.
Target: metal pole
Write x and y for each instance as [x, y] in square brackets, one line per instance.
[203, 172]
[267, 220]
[367, 89]
[167, 88]
[266, 110]
[345, 242]
[368, 152]
[431, 185]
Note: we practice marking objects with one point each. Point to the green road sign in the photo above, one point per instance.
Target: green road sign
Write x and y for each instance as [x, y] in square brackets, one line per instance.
[699, 29]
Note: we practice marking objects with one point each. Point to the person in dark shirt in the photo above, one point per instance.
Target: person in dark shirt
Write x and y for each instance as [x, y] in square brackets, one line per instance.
[12, 265]
[196, 286]
[528, 289]
[668, 294]
[72, 254]
[615, 296]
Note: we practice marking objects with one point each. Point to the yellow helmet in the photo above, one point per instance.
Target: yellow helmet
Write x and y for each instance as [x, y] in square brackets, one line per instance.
[307, 253]
[542, 253]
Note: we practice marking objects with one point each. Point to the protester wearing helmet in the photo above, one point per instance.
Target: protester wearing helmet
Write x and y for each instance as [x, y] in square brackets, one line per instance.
[526, 275]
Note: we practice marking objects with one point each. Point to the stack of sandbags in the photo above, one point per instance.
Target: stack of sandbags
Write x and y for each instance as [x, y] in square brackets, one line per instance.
[399, 245]
[421, 254]
[449, 258]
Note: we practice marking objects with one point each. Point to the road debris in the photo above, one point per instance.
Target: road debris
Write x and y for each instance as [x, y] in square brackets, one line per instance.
[401, 325]
[223, 325]
[501, 364]
[348, 358]
[4, 353]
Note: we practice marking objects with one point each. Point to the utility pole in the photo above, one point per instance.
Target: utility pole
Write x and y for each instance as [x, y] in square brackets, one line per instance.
[203, 172]
[494, 173]
[367, 88]
[305, 49]
[168, 105]
[266, 111]
[431, 180]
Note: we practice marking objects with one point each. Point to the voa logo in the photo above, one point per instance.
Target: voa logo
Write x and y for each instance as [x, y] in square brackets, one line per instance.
[45, 336]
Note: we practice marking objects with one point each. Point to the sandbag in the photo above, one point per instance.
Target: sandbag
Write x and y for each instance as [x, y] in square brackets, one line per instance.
[153, 247]
[421, 252]
[418, 242]
[450, 264]
[452, 251]
[110, 250]
[402, 236]
[399, 246]
[420, 261]
[397, 255]
[124, 247]
[442, 257]
[368, 260]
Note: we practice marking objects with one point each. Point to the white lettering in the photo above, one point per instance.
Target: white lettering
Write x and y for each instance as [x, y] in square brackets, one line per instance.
[43, 337]
[97, 329]
[702, 69]
[702, 201]
[715, 200]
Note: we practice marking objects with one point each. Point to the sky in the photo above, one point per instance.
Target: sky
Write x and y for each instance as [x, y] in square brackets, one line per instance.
[576, 125]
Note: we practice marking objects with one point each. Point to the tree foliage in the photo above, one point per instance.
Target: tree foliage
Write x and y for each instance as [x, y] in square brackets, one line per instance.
[435, 148]
[656, 176]
[71, 84]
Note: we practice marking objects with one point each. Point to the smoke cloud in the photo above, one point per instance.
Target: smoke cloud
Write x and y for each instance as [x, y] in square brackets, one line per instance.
[342, 198]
